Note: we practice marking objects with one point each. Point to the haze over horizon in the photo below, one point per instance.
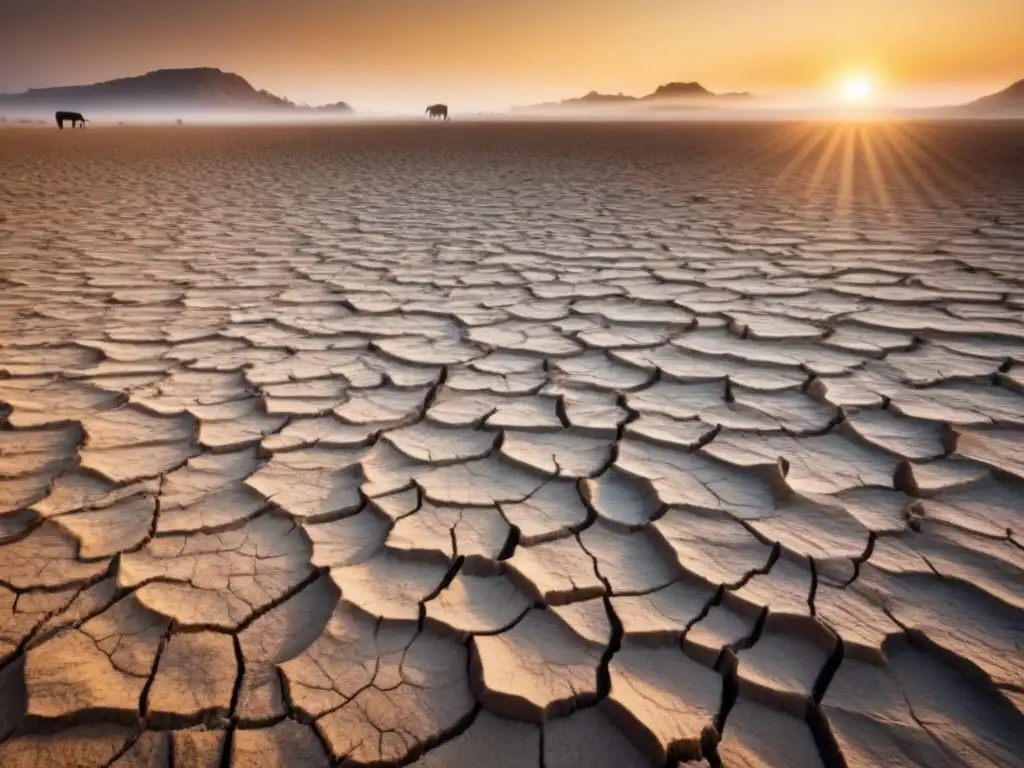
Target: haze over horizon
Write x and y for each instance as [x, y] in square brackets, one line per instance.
[393, 54]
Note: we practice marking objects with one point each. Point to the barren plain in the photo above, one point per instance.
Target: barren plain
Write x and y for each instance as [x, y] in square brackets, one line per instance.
[512, 445]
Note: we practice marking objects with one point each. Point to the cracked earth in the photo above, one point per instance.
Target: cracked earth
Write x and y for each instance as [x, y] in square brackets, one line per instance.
[512, 445]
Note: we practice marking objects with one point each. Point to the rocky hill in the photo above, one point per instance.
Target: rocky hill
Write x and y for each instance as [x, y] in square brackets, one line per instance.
[669, 94]
[691, 91]
[202, 89]
[338, 107]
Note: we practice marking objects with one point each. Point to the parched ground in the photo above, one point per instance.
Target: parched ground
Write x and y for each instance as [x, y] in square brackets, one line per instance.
[512, 445]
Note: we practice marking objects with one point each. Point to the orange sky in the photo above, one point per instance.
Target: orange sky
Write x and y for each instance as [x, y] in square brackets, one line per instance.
[485, 54]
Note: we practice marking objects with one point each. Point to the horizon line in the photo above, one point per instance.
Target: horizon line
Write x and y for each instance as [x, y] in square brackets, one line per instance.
[555, 104]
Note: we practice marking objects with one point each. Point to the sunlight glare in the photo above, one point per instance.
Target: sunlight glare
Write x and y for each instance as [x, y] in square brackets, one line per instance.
[857, 89]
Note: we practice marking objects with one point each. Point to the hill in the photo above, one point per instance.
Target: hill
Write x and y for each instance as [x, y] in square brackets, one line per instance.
[338, 107]
[680, 91]
[683, 94]
[692, 91]
[198, 89]
[1008, 102]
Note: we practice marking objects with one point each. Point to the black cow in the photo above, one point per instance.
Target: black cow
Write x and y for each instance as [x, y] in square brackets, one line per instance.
[75, 118]
[437, 110]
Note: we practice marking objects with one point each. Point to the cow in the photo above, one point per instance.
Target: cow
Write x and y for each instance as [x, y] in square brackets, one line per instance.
[437, 110]
[75, 118]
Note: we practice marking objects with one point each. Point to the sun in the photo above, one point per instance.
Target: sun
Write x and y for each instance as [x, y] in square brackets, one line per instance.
[857, 89]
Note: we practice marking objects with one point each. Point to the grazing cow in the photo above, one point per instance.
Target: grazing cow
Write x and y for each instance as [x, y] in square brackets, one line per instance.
[74, 117]
[437, 110]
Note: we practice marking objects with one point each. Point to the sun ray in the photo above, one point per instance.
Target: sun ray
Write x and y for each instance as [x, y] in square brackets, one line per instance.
[776, 141]
[879, 183]
[942, 194]
[949, 170]
[813, 138]
[824, 163]
[924, 190]
[845, 197]
[906, 195]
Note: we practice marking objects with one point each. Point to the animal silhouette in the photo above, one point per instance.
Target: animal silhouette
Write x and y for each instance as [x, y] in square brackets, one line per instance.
[437, 110]
[74, 117]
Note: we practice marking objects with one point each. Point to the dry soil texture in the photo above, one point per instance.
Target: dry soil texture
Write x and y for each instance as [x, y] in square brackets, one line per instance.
[512, 445]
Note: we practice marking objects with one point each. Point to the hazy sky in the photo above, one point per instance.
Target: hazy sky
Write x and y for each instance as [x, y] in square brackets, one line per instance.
[483, 54]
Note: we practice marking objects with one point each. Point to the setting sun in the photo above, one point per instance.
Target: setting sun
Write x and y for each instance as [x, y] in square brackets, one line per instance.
[857, 89]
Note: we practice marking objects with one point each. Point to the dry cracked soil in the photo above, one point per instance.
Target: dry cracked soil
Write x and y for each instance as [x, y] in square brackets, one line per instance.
[512, 445]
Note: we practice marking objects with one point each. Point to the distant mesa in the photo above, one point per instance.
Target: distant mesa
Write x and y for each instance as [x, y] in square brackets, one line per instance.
[198, 89]
[340, 107]
[692, 91]
[680, 91]
[600, 98]
[669, 95]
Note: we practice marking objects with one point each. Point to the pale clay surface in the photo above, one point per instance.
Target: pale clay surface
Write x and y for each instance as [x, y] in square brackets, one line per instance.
[512, 445]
